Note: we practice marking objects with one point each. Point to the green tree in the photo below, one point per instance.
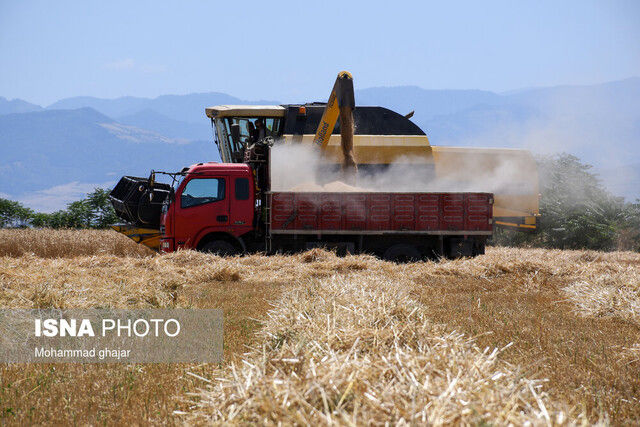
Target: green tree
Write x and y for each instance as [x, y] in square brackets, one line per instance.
[577, 212]
[94, 211]
[41, 220]
[78, 214]
[629, 232]
[102, 213]
[13, 214]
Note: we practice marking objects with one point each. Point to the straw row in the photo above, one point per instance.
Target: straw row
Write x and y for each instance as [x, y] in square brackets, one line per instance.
[358, 350]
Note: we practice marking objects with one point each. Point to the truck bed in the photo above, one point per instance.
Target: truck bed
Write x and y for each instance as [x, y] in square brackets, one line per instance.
[380, 213]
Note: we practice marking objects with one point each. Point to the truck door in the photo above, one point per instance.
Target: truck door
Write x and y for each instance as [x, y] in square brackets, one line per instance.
[242, 204]
[202, 203]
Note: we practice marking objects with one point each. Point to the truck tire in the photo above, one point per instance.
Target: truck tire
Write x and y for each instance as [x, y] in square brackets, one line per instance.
[401, 252]
[460, 248]
[219, 247]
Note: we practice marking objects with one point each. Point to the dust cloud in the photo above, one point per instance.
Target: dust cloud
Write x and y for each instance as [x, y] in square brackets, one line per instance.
[301, 167]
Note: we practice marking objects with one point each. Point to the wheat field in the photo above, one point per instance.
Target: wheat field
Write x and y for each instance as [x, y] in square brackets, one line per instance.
[514, 336]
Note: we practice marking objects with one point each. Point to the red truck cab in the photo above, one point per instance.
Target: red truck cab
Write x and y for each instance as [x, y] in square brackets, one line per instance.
[212, 206]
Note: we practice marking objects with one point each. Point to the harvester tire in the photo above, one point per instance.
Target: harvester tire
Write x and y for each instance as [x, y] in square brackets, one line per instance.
[219, 247]
[402, 252]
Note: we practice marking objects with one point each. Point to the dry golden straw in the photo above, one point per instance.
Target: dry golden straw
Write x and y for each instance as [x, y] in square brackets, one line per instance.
[359, 350]
[350, 340]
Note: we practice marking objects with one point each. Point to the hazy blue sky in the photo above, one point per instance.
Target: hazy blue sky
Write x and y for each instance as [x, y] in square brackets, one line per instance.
[291, 51]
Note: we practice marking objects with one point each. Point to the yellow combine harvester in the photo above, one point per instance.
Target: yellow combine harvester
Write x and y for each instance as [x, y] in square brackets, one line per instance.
[372, 140]
[383, 139]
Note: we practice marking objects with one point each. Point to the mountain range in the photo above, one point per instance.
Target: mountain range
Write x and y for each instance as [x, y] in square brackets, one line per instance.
[52, 155]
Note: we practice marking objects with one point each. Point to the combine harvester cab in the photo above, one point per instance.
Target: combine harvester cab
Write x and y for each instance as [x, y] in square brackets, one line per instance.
[138, 202]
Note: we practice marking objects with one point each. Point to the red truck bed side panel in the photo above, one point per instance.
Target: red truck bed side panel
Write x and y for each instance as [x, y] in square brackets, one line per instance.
[479, 211]
[452, 212]
[331, 211]
[307, 207]
[391, 212]
[404, 207]
[428, 208]
[355, 211]
[379, 211]
[282, 211]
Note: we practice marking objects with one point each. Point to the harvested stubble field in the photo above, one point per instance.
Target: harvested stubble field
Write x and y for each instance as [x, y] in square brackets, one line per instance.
[512, 336]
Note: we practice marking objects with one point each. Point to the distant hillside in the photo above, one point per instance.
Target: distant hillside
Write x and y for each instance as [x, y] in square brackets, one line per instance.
[622, 180]
[183, 108]
[52, 149]
[17, 106]
[425, 102]
[152, 120]
[600, 123]
[462, 127]
[86, 140]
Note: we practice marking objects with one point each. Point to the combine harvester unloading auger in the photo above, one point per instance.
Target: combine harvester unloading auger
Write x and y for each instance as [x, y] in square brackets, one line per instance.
[230, 207]
[341, 104]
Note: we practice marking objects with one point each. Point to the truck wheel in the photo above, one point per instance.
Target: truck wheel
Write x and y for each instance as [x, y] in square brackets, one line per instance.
[219, 247]
[401, 253]
[459, 248]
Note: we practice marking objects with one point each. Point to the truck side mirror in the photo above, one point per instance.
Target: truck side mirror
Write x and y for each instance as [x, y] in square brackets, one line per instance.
[235, 133]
